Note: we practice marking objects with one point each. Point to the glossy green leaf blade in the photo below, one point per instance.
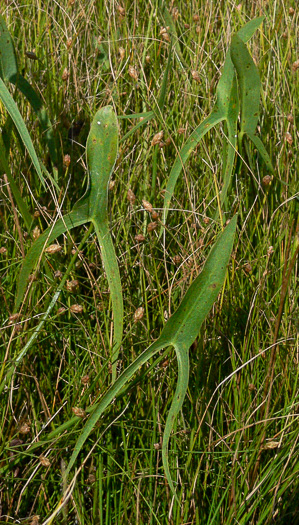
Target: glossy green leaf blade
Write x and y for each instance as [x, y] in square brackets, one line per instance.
[247, 31]
[12, 109]
[184, 325]
[249, 84]
[101, 152]
[180, 331]
[113, 278]
[218, 114]
[231, 121]
[8, 61]
[75, 218]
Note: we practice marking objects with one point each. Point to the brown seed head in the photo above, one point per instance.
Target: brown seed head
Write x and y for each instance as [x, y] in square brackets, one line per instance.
[175, 13]
[65, 75]
[196, 18]
[36, 233]
[35, 520]
[139, 237]
[121, 52]
[131, 196]
[177, 259]
[164, 34]
[155, 215]
[147, 59]
[181, 131]
[288, 138]
[138, 314]
[206, 220]
[295, 65]
[291, 11]
[85, 380]
[24, 429]
[147, 206]
[58, 274]
[44, 461]
[121, 10]
[61, 311]
[79, 412]
[13, 318]
[290, 118]
[69, 43]
[111, 184]
[152, 226]
[76, 309]
[266, 180]
[133, 73]
[91, 478]
[36, 214]
[66, 160]
[53, 248]
[157, 138]
[272, 444]
[270, 251]
[72, 286]
[3, 250]
[195, 76]
[248, 268]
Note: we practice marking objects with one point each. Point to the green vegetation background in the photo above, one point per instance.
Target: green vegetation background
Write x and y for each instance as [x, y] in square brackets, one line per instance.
[234, 451]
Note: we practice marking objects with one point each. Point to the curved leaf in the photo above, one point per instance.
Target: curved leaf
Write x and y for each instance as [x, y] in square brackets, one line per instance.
[12, 109]
[9, 71]
[180, 331]
[74, 218]
[220, 112]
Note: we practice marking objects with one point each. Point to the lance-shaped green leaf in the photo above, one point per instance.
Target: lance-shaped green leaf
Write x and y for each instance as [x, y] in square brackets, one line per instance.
[249, 84]
[101, 151]
[180, 332]
[13, 111]
[9, 71]
[225, 108]
[250, 88]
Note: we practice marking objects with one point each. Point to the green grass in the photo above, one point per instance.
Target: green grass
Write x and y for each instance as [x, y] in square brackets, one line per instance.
[233, 451]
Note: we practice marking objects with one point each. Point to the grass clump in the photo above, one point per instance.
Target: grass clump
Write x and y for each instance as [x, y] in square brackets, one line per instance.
[161, 206]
